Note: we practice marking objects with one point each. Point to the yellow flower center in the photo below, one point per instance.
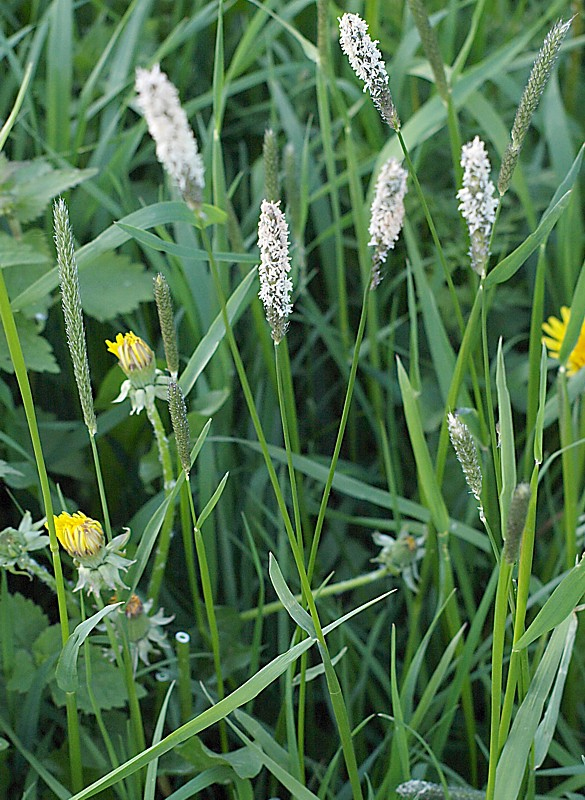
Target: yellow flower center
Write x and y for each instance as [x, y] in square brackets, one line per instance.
[556, 330]
[80, 535]
[132, 352]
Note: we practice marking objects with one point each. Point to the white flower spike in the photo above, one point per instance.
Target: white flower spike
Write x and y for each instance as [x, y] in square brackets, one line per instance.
[176, 146]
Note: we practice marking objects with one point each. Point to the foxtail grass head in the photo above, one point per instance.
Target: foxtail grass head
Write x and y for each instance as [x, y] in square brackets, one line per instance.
[367, 63]
[176, 146]
[386, 215]
[539, 76]
[164, 307]
[72, 311]
[275, 284]
[516, 521]
[477, 202]
[466, 452]
[180, 423]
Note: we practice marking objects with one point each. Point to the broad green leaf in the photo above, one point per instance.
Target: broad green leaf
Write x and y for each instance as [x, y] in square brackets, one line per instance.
[66, 672]
[286, 597]
[431, 490]
[507, 448]
[558, 607]
[37, 352]
[19, 252]
[512, 263]
[107, 683]
[513, 760]
[112, 237]
[244, 762]
[114, 286]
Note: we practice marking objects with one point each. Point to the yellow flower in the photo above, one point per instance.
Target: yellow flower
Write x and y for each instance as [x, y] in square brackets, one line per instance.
[557, 330]
[132, 352]
[81, 536]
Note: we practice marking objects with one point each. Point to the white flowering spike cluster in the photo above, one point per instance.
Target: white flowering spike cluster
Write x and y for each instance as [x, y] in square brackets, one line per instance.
[275, 285]
[477, 202]
[176, 146]
[387, 214]
[367, 63]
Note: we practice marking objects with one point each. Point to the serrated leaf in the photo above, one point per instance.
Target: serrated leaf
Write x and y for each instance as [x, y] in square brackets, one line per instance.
[23, 671]
[37, 352]
[15, 252]
[113, 285]
[107, 684]
[32, 620]
[39, 187]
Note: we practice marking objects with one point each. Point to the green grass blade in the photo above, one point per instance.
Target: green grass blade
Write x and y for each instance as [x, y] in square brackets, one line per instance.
[558, 607]
[66, 671]
[512, 762]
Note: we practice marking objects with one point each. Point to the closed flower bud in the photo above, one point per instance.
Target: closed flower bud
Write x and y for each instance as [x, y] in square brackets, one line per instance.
[516, 521]
[164, 307]
[178, 411]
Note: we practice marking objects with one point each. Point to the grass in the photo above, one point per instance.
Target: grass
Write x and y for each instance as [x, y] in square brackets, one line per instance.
[299, 667]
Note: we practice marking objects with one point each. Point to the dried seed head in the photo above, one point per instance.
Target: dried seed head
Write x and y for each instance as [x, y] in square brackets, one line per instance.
[176, 146]
[387, 214]
[164, 306]
[367, 63]
[516, 521]
[68, 277]
[539, 75]
[477, 202]
[466, 453]
[275, 285]
[178, 411]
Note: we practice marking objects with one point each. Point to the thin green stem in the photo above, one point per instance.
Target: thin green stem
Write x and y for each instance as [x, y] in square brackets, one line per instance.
[21, 374]
[101, 489]
[164, 539]
[499, 636]
[335, 693]
[340, 433]
[210, 611]
[524, 575]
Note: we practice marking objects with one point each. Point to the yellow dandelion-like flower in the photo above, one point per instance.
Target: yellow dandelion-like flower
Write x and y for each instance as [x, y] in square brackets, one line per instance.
[556, 330]
[136, 359]
[132, 352]
[80, 535]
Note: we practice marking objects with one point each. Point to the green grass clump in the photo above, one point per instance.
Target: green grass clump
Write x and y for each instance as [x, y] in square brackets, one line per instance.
[293, 492]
